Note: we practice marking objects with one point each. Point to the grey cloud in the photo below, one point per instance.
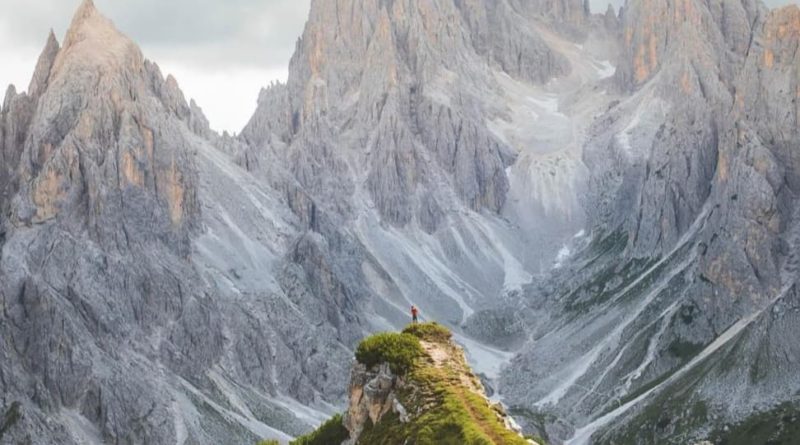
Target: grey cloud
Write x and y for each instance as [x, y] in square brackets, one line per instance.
[207, 33]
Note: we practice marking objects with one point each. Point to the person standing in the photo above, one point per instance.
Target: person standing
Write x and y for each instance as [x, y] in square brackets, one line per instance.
[414, 314]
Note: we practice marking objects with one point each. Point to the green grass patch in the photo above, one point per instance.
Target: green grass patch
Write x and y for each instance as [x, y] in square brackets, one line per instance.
[432, 332]
[441, 397]
[449, 414]
[331, 432]
[400, 351]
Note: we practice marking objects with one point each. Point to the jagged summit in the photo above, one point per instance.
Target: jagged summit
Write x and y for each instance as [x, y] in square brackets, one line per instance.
[42, 72]
[94, 42]
[104, 71]
[415, 83]
[660, 32]
[85, 10]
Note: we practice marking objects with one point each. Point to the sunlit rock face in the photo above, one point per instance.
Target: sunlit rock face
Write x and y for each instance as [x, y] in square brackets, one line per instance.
[655, 32]
[408, 85]
[91, 107]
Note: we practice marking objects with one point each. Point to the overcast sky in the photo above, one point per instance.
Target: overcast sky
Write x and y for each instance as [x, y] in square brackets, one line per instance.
[221, 51]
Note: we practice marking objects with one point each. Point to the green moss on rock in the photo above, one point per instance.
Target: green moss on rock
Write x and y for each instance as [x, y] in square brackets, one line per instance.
[429, 332]
[443, 399]
[398, 350]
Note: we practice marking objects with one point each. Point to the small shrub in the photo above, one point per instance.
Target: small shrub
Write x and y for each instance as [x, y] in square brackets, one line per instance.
[269, 442]
[429, 332]
[398, 350]
[331, 432]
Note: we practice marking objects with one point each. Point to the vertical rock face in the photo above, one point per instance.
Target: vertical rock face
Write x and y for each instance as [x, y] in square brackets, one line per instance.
[94, 127]
[683, 59]
[571, 15]
[657, 31]
[768, 85]
[15, 118]
[397, 83]
[372, 396]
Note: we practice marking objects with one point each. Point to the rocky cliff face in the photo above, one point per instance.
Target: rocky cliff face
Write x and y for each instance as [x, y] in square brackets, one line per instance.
[704, 226]
[372, 396]
[399, 122]
[100, 204]
[402, 84]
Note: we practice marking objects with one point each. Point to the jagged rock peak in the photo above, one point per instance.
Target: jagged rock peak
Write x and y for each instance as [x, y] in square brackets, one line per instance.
[655, 30]
[105, 73]
[11, 91]
[93, 41]
[611, 18]
[86, 9]
[42, 72]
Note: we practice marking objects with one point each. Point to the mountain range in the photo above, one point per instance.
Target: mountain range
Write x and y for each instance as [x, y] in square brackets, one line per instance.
[602, 206]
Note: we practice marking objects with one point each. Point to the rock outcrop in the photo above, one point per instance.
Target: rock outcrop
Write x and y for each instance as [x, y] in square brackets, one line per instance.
[436, 400]
[372, 396]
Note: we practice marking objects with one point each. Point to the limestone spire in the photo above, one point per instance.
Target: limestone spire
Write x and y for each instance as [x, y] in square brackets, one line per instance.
[93, 39]
[42, 72]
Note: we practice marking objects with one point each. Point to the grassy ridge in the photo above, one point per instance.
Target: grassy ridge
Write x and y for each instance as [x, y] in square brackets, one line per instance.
[440, 395]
